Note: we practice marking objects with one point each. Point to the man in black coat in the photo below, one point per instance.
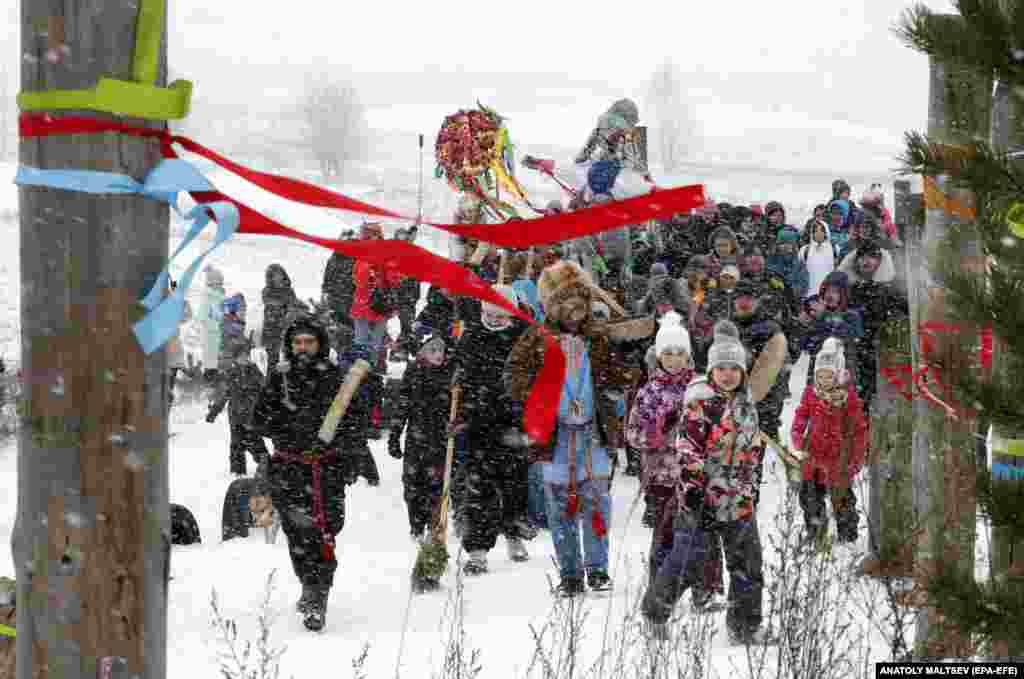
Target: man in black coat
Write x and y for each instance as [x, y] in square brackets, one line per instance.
[338, 290]
[306, 476]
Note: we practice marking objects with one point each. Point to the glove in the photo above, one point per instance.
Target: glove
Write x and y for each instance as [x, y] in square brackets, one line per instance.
[210, 417]
[694, 499]
[394, 447]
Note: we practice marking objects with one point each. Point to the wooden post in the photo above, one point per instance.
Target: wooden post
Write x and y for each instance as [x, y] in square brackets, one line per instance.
[944, 466]
[891, 524]
[91, 541]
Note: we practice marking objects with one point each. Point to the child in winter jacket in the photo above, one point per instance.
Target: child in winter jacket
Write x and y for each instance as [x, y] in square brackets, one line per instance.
[240, 386]
[422, 410]
[724, 250]
[655, 412]
[719, 445]
[830, 427]
[819, 256]
[828, 314]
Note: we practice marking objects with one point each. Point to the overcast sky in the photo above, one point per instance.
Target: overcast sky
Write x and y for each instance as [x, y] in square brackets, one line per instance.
[827, 68]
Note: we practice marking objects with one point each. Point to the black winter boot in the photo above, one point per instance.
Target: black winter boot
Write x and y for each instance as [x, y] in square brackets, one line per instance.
[570, 587]
[316, 615]
[305, 600]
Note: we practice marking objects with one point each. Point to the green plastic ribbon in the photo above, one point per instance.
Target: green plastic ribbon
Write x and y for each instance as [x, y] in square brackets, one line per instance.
[7, 631]
[1015, 219]
[1014, 448]
[135, 99]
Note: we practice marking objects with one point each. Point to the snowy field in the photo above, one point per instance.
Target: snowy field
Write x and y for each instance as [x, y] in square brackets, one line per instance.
[370, 598]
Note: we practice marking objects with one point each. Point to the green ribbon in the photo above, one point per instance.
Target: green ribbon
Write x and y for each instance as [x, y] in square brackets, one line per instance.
[1014, 448]
[135, 99]
[6, 631]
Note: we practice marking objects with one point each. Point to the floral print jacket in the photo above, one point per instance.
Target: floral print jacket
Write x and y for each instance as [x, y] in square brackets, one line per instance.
[656, 408]
[719, 446]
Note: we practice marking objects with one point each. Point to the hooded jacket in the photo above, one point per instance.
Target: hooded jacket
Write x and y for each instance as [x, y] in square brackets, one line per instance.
[656, 410]
[719, 447]
[844, 323]
[715, 263]
[339, 287]
[877, 298]
[367, 279]
[292, 405]
[423, 403]
[820, 260]
[662, 289]
[278, 301]
[818, 428]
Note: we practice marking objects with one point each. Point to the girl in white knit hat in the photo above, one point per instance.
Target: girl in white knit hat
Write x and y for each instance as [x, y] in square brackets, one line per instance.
[719, 445]
[655, 412]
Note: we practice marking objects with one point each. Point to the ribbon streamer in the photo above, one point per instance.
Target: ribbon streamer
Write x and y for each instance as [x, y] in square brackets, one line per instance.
[1006, 472]
[140, 98]
[7, 631]
[169, 178]
[405, 258]
[520, 234]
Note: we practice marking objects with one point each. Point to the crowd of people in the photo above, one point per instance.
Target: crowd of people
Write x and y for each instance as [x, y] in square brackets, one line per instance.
[679, 340]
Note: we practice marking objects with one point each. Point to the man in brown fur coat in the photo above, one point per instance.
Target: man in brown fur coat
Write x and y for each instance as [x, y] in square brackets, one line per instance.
[576, 461]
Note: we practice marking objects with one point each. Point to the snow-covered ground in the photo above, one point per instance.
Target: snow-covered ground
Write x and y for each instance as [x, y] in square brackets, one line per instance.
[369, 601]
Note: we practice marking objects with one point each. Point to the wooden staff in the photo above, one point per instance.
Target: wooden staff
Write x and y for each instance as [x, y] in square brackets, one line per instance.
[356, 374]
[441, 523]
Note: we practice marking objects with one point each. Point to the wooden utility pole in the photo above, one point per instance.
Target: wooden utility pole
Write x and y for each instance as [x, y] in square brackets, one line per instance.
[944, 465]
[91, 539]
[891, 525]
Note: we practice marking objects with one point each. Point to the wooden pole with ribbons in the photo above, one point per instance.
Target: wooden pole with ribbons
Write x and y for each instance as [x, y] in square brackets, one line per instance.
[943, 458]
[91, 540]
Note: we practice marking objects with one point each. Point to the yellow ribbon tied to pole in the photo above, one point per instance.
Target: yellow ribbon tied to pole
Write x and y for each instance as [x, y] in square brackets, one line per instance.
[138, 98]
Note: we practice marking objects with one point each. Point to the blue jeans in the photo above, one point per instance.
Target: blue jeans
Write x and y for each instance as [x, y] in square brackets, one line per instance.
[565, 531]
[369, 333]
[536, 505]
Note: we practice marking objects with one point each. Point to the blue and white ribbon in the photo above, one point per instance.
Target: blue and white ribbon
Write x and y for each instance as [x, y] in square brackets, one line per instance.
[164, 183]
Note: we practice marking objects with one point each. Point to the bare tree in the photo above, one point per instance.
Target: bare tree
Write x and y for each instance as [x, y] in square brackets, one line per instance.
[674, 129]
[336, 124]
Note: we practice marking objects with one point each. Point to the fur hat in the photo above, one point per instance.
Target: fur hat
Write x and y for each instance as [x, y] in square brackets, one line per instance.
[672, 334]
[831, 357]
[726, 347]
[561, 281]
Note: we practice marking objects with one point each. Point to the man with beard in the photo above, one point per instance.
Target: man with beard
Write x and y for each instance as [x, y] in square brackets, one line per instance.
[306, 475]
[872, 272]
[493, 473]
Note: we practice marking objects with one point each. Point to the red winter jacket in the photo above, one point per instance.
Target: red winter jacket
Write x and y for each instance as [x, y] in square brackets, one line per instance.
[367, 278]
[826, 443]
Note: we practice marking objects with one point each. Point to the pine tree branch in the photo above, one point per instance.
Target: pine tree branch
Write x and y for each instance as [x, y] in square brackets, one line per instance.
[983, 38]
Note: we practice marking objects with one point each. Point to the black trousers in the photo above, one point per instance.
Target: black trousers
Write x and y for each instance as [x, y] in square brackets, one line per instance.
[245, 441]
[494, 496]
[844, 506]
[291, 488]
[422, 481]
